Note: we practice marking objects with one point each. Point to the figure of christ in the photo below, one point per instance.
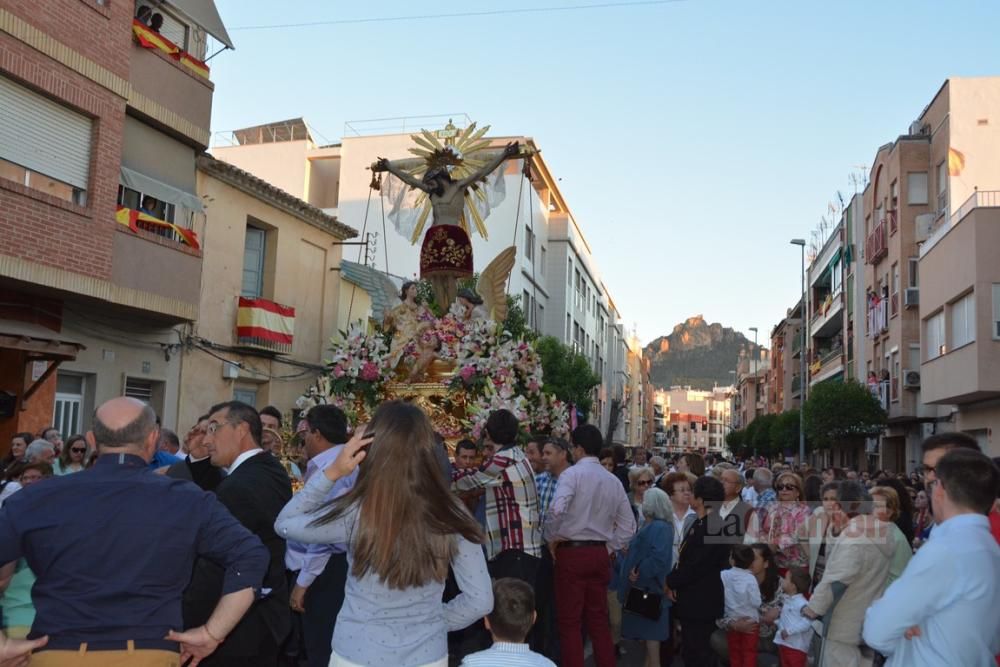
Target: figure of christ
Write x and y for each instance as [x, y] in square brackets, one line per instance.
[446, 251]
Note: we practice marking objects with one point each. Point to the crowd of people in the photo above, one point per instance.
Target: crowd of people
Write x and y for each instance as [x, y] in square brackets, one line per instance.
[131, 546]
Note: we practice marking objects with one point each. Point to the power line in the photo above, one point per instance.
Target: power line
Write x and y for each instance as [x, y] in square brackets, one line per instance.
[489, 12]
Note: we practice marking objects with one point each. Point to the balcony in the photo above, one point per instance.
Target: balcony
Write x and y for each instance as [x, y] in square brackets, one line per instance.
[878, 316]
[796, 346]
[979, 199]
[828, 318]
[164, 81]
[828, 364]
[264, 325]
[877, 243]
[797, 385]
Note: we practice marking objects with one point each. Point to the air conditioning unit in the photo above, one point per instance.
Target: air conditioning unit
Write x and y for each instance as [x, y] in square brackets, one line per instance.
[916, 127]
[911, 297]
[924, 225]
[911, 379]
[230, 371]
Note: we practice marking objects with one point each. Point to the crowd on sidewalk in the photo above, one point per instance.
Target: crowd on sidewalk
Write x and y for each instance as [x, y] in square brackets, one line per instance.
[126, 546]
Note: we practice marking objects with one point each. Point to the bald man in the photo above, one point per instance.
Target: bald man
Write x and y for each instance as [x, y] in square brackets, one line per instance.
[120, 529]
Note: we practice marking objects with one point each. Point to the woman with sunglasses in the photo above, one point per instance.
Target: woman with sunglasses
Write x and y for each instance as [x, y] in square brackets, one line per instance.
[784, 520]
[73, 457]
[640, 481]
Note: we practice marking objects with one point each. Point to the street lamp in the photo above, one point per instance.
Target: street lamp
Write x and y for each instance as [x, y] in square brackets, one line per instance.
[802, 354]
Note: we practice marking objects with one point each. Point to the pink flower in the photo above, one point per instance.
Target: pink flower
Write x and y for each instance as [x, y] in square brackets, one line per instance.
[369, 372]
[338, 371]
[467, 372]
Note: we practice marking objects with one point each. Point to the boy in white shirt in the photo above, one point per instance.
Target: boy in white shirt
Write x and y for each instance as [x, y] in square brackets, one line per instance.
[742, 602]
[794, 630]
[510, 621]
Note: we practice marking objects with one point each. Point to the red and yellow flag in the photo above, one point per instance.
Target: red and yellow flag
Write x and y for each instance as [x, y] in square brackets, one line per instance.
[956, 162]
[151, 39]
[265, 323]
[131, 218]
[193, 64]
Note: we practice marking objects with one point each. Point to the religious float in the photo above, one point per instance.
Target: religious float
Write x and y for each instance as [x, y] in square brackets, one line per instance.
[449, 352]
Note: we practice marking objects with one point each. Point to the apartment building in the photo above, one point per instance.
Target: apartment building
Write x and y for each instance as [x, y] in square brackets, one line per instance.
[696, 420]
[270, 294]
[784, 375]
[555, 275]
[751, 390]
[918, 184]
[100, 265]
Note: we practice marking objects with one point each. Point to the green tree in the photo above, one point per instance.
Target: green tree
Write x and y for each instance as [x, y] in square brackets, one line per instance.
[736, 440]
[566, 373]
[785, 431]
[839, 411]
[762, 441]
[516, 322]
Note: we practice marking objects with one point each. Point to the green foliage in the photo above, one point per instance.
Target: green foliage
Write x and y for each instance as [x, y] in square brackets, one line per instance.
[785, 432]
[516, 322]
[425, 294]
[838, 411]
[736, 440]
[566, 373]
[762, 441]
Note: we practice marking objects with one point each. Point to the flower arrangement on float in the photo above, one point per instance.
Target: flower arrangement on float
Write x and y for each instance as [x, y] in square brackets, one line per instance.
[493, 370]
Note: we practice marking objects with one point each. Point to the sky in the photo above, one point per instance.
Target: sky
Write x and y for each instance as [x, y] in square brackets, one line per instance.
[693, 138]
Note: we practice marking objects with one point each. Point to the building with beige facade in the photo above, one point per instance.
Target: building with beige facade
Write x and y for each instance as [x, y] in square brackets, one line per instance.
[556, 274]
[276, 252]
[696, 420]
[784, 373]
[919, 183]
[751, 389]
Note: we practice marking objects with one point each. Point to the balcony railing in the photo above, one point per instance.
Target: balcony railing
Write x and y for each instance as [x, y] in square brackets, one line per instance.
[797, 384]
[796, 346]
[877, 243]
[979, 199]
[878, 316]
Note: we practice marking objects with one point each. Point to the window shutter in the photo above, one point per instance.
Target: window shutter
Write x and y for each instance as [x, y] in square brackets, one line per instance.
[45, 137]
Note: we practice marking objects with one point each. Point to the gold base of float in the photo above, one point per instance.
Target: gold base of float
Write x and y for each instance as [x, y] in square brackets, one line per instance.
[444, 406]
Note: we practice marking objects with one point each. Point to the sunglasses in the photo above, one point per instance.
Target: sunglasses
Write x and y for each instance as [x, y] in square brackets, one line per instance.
[787, 487]
[78, 450]
[644, 482]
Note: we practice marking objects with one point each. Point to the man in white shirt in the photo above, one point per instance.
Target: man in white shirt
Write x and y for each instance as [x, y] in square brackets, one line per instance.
[942, 610]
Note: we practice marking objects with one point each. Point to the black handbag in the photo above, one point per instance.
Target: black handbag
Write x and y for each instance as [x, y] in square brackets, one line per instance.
[643, 603]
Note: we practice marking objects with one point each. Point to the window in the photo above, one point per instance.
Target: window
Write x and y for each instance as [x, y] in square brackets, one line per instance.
[162, 210]
[963, 321]
[996, 311]
[254, 247]
[529, 244]
[569, 273]
[541, 316]
[894, 196]
[567, 326]
[66, 414]
[916, 188]
[895, 287]
[934, 335]
[912, 276]
[942, 187]
[44, 145]
[246, 395]
[147, 391]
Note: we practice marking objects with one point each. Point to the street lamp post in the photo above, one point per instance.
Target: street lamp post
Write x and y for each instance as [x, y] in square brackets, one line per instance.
[802, 354]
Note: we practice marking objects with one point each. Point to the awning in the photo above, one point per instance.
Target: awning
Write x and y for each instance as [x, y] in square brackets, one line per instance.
[204, 13]
[43, 343]
[833, 261]
[160, 190]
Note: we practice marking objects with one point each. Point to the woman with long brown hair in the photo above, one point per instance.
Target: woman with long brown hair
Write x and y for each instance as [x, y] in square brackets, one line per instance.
[402, 528]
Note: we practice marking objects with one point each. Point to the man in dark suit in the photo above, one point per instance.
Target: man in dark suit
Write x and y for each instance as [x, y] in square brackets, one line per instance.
[197, 465]
[695, 585]
[734, 511]
[255, 490]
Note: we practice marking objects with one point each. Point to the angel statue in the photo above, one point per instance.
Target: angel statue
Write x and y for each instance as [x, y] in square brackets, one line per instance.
[454, 189]
[406, 321]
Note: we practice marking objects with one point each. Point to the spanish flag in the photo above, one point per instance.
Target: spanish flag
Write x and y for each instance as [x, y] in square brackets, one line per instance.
[151, 39]
[265, 323]
[131, 218]
[193, 64]
[956, 162]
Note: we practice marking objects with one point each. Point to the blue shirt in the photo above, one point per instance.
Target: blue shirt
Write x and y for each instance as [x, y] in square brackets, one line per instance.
[162, 459]
[546, 483]
[309, 560]
[380, 626]
[949, 590]
[113, 548]
[504, 654]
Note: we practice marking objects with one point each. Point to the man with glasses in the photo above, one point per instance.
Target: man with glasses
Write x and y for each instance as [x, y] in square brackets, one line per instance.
[112, 570]
[734, 512]
[196, 466]
[255, 490]
[942, 610]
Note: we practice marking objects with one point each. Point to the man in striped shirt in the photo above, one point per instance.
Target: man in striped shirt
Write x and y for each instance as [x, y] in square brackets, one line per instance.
[513, 531]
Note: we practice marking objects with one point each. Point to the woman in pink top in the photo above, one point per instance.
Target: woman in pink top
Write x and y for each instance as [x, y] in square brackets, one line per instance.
[783, 521]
